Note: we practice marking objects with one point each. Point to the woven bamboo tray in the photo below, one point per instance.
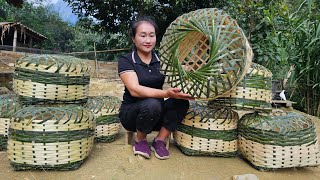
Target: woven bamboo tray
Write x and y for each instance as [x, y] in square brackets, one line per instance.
[253, 92]
[50, 138]
[106, 109]
[9, 104]
[278, 141]
[47, 79]
[205, 53]
[207, 131]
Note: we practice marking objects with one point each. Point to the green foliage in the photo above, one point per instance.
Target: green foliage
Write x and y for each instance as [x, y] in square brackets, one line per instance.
[116, 16]
[41, 19]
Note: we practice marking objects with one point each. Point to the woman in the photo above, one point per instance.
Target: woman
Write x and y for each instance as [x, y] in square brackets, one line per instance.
[143, 108]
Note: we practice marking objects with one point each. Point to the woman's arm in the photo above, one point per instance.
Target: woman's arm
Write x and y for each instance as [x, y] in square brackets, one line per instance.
[130, 80]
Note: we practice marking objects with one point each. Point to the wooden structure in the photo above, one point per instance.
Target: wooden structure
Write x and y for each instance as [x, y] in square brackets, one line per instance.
[16, 35]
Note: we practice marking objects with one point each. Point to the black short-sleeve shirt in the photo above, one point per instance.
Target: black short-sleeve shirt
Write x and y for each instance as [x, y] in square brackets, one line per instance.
[149, 75]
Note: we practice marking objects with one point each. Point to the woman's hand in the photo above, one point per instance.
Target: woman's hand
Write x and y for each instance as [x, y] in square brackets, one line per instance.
[175, 93]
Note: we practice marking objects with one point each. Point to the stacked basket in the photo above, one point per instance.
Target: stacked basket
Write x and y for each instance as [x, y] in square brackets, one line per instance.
[58, 138]
[278, 141]
[8, 105]
[106, 109]
[252, 93]
[51, 79]
[208, 131]
[51, 134]
[206, 54]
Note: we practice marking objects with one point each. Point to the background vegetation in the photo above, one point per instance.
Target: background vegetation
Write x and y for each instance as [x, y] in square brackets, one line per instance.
[284, 34]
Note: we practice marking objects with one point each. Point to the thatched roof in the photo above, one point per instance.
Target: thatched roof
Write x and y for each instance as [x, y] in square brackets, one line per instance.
[24, 30]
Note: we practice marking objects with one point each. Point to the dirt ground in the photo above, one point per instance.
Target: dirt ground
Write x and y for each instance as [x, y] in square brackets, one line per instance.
[116, 161]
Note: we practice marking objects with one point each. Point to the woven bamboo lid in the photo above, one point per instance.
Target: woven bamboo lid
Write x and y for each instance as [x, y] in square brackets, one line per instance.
[56, 118]
[205, 53]
[103, 105]
[9, 104]
[282, 123]
[67, 65]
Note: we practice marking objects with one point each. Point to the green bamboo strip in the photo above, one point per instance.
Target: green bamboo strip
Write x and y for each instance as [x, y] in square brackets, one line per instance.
[105, 120]
[225, 135]
[191, 152]
[50, 78]
[49, 137]
[242, 103]
[61, 167]
[34, 101]
[3, 142]
[106, 139]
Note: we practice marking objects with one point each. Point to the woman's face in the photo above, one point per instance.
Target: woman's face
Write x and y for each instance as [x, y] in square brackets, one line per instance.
[145, 37]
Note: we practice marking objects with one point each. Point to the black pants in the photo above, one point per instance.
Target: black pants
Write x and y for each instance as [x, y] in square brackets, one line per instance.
[151, 114]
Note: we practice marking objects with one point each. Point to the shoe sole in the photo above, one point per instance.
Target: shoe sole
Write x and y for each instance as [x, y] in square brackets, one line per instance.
[157, 155]
[145, 155]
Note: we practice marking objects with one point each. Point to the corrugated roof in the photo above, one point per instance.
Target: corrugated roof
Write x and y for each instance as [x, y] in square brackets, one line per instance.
[12, 24]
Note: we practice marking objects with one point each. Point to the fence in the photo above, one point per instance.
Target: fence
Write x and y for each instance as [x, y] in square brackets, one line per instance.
[103, 63]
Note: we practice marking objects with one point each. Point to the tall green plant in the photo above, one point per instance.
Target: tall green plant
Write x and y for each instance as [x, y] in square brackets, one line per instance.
[305, 56]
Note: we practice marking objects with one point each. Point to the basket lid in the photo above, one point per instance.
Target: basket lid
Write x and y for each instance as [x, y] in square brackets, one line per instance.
[205, 53]
[62, 64]
[9, 104]
[278, 123]
[67, 114]
[109, 104]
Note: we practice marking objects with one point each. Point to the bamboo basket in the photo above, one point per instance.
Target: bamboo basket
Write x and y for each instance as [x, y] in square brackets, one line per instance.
[106, 109]
[278, 141]
[50, 138]
[50, 79]
[9, 104]
[254, 92]
[209, 132]
[205, 53]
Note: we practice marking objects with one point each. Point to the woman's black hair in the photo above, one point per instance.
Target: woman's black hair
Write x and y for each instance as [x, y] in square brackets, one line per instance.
[140, 20]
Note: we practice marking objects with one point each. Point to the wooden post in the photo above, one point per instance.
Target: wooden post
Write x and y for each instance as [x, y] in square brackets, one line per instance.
[96, 70]
[30, 42]
[15, 34]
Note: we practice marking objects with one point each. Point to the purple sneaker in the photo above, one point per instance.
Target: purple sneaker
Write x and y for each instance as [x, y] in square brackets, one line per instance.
[142, 148]
[160, 150]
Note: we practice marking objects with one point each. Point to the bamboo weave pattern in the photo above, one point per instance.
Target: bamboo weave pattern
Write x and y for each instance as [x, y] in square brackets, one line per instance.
[57, 138]
[9, 104]
[205, 53]
[278, 141]
[253, 92]
[207, 131]
[49, 79]
[106, 110]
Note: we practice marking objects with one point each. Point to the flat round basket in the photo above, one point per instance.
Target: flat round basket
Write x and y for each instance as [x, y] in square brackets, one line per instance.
[47, 79]
[205, 53]
[253, 92]
[51, 138]
[278, 141]
[106, 109]
[209, 132]
[9, 104]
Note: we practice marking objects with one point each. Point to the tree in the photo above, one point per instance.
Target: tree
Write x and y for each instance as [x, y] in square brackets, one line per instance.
[43, 20]
[114, 16]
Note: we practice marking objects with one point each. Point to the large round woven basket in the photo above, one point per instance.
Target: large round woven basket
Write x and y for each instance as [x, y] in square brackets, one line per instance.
[205, 53]
[207, 131]
[51, 138]
[9, 104]
[46, 79]
[253, 92]
[278, 141]
[106, 109]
